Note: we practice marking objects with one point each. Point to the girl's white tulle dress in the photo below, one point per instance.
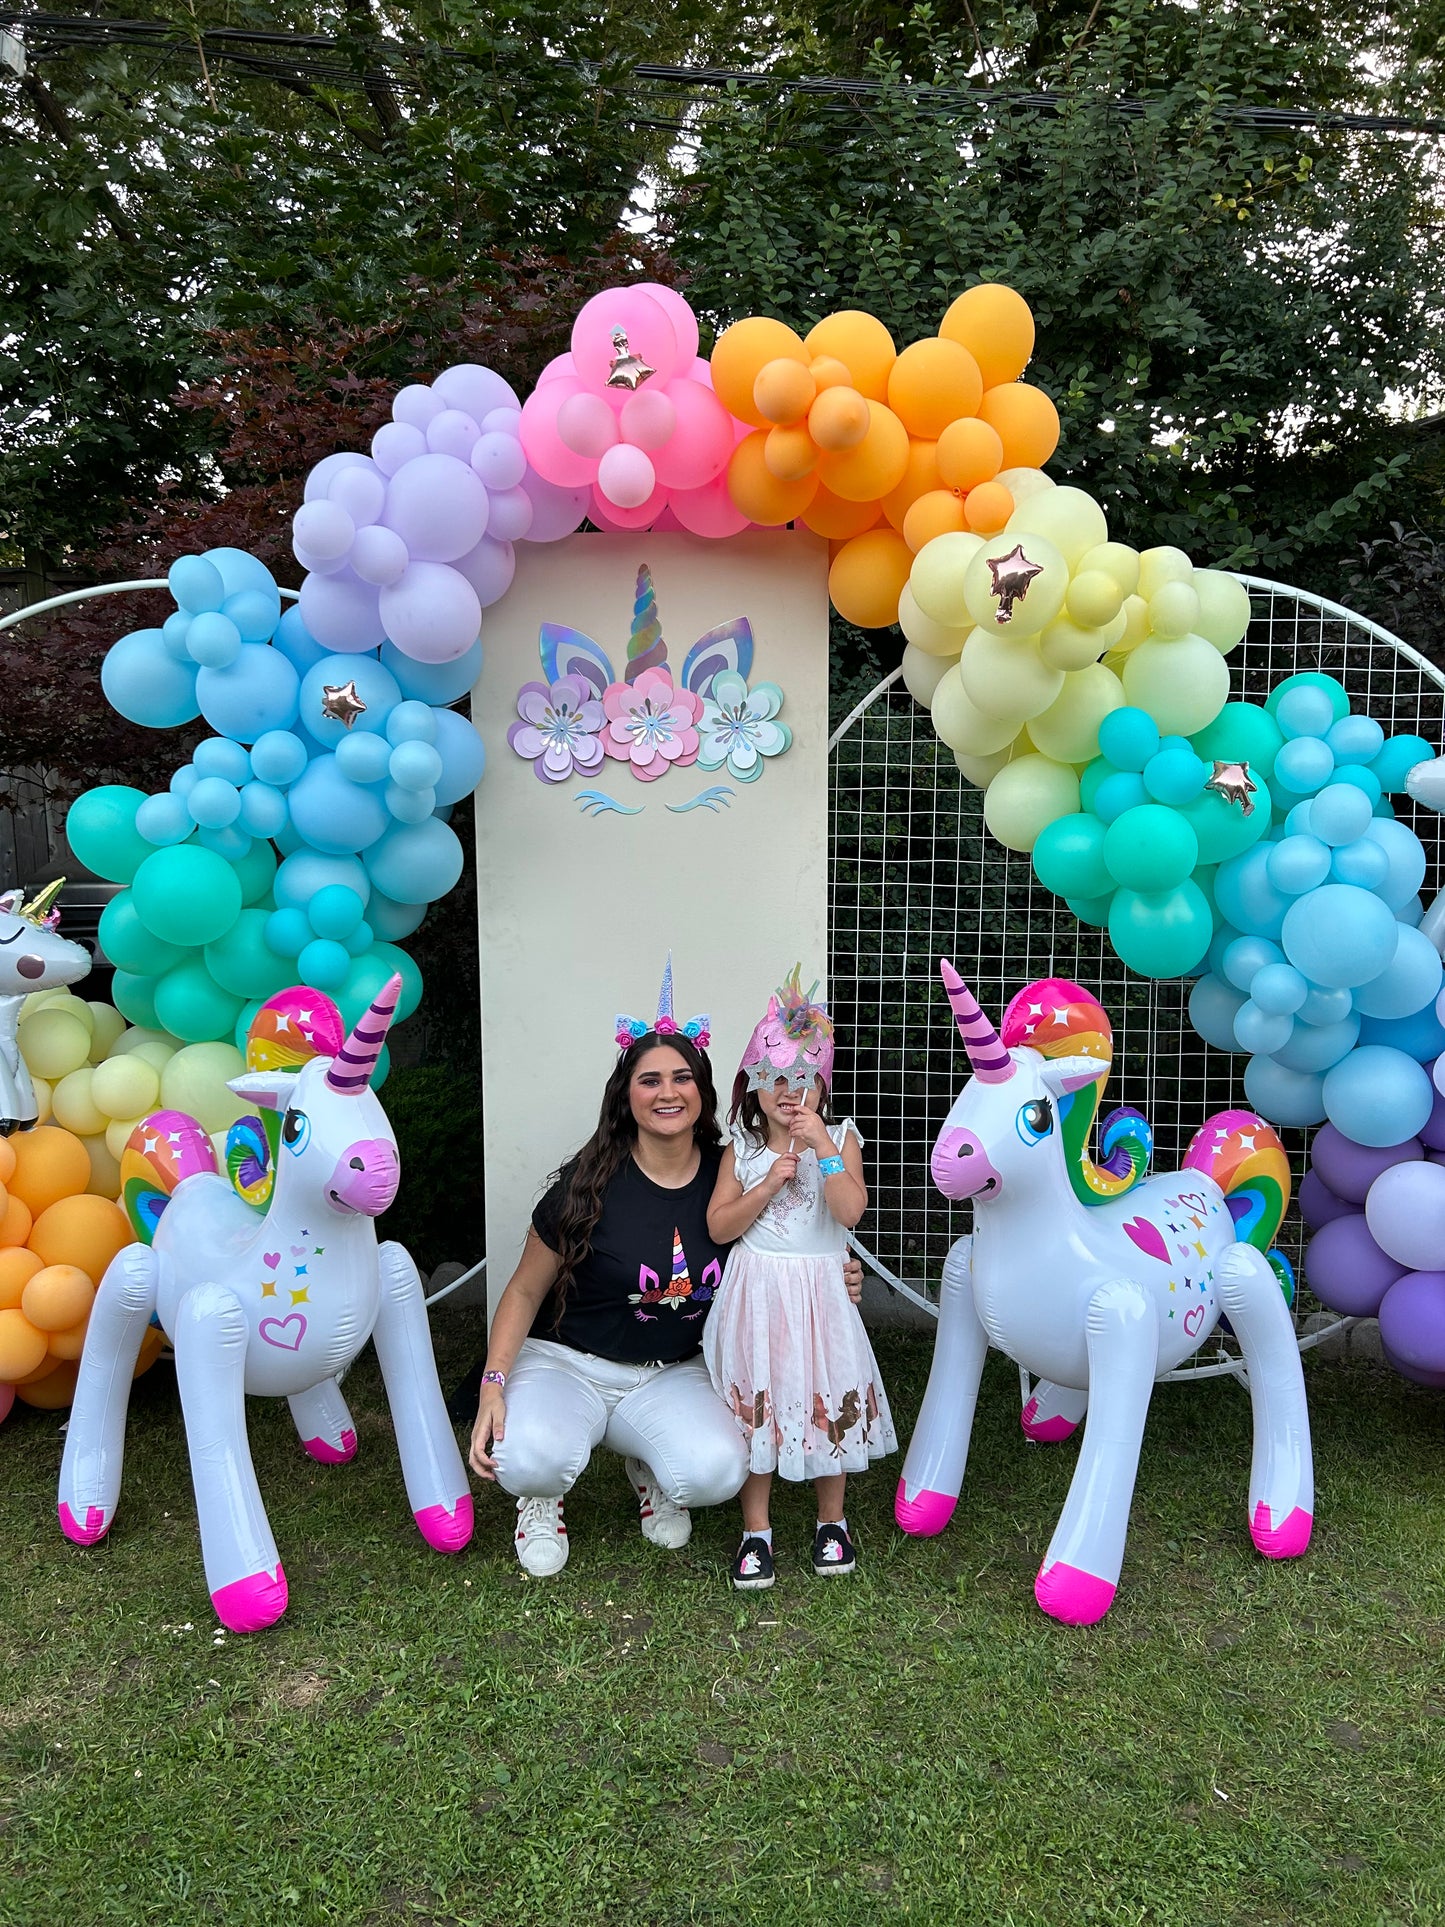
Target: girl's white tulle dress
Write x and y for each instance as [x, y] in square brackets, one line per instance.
[784, 1344]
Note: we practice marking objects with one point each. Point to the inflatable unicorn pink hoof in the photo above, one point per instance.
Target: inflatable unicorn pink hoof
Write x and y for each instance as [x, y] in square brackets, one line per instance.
[447, 1531]
[1046, 1431]
[925, 1514]
[86, 1533]
[1284, 1541]
[1074, 1598]
[251, 1605]
[327, 1454]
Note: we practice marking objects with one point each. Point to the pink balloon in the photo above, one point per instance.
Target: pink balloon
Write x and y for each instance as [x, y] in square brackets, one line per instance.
[667, 523]
[432, 614]
[587, 425]
[546, 451]
[326, 470]
[394, 444]
[360, 491]
[625, 476]
[511, 514]
[700, 449]
[438, 507]
[474, 389]
[708, 511]
[341, 612]
[556, 368]
[619, 521]
[649, 417]
[555, 511]
[378, 555]
[452, 433]
[415, 405]
[680, 314]
[489, 567]
[649, 334]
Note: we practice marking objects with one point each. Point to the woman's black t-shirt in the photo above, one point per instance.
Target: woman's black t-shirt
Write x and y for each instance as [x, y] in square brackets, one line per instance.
[643, 1290]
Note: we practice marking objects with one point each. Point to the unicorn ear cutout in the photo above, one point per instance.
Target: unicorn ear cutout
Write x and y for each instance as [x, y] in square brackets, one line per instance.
[270, 1089]
[1062, 1075]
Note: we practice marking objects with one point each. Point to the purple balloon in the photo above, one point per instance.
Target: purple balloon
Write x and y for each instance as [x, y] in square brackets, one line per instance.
[510, 517]
[432, 613]
[474, 389]
[489, 567]
[378, 555]
[396, 443]
[1349, 1169]
[1412, 1327]
[452, 432]
[360, 491]
[321, 477]
[1318, 1205]
[437, 506]
[416, 405]
[555, 511]
[1347, 1270]
[341, 612]
[323, 529]
[499, 460]
[1406, 1214]
[1432, 1131]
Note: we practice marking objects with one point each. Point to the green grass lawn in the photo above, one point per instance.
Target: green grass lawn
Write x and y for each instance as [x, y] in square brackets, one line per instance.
[443, 1740]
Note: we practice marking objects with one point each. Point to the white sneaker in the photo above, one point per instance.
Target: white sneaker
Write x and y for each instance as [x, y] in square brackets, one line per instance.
[541, 1538]
[663, 1523]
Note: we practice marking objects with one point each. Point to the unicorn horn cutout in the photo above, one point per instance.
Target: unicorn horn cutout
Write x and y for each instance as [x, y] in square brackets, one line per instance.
[351, 1068]
[991, 1062]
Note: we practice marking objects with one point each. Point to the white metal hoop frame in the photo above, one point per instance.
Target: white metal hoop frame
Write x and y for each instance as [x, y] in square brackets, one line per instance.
[914, 875]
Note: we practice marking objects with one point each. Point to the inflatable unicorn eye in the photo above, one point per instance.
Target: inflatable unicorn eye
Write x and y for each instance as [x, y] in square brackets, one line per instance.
[1035, 1121]
[296, 1131]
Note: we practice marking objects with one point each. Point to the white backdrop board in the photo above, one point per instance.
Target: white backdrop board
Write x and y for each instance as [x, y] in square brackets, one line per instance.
[580, 899]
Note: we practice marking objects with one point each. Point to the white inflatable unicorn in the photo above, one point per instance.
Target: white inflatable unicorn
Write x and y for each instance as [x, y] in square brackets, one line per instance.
[275, 1303]
[33, 956]
[1099, 1280]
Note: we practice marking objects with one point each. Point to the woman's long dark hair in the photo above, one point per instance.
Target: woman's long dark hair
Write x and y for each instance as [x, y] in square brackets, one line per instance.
[585, 1178]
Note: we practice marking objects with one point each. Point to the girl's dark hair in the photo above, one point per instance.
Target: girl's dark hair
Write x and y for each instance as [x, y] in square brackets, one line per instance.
[748, 1112]
[585, 1178]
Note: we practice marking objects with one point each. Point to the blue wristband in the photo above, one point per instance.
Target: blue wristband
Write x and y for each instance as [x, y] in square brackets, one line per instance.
[830, 1167]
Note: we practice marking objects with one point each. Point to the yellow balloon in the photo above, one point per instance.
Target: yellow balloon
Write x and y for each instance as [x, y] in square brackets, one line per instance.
[1161, 565]
[117, 1134]
[933, 638]
[107, 1029]
[138, 1035]
[53, 1042]
[1069, 729]
[1183, 684]
[963, 725]
[1114, 559]
[1136, 622]
[937, 579]
[1026, 796]
[981, 770]
[195, 1081]
[42, 999]
[1015, 582]
[1068, 517]
[1173, 610]
[125, 1086]
[74, 1107]
[1223, 609]
[156, 1055]
[104, 1167]
[922, 673]
[1069, 645]
[41, 1088]
[1094, 598]
[1003, 675]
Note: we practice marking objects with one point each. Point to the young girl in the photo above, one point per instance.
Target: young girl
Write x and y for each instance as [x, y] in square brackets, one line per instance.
[785, 1347]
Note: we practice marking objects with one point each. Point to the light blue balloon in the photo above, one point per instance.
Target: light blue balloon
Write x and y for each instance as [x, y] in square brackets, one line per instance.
[254, 613]
[1398, 758]
[231, 842]
[164, 819]
[257, 692]
[196, 584]
[1355, 739]
[375, 686]
[335, 911]
[1304, 712]
[1297, 864]
[1326, 1006]
[278, 757]
[296, 642]
[263, 809]
[1303, 766]
[1260, 1030]
[1297, 822]
[463, 754]
[174, 630]
[438, 682]
[415, 861]
[1411, 912]
[1282, 1095]
[239, 570]
[184, 779]
[1341, 812]
[288, 932]
[1378, 1096]
[1246, 897]
[324, 964]
[219, 756]
[364, 759]
[1279, 989]
[1244, 957]
[1409, 982]
[1117, 793]
[1339, 936]
[1421, 1036]
[143, 681]
[392, 920]
[305, 872]
[1175, 776]
[288, 839]
[334, 815]
[415, 765]
[409, 806]
[1362, 779]
[1224, 936]
[214, 640]
[214, 803]
[411, 722]
[1363, 863]
[1315, 1047]
[1129, 737]
[1406, 857]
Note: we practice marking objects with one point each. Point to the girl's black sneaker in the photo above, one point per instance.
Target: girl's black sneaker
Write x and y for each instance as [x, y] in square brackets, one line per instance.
[833, 1552]
[753, 1565]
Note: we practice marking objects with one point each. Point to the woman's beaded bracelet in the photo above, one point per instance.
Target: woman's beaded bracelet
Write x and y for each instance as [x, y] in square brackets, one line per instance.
[830, 1167]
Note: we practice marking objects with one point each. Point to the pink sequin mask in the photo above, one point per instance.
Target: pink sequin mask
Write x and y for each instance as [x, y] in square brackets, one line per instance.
[793, 1041]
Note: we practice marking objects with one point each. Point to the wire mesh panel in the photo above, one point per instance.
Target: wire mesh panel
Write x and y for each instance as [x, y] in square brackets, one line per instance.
[915, 876]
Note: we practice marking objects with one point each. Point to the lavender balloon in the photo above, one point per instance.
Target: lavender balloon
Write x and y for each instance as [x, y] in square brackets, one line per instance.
[1349, 1169]
[1347, 1270]
[1412, 1327]
[1405, 1211]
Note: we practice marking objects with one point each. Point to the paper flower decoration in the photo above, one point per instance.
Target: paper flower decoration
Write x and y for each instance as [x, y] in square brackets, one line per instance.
[738, 727]
[651, 724]
[559, 730]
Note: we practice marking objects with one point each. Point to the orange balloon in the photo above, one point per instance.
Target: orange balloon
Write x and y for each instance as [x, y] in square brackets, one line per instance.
[939, 512]
[987, 508]
[151, 1347]
[16, 1222]
[789, 453]
[758, 492]
[828, 514]
[7, 1159]
[932, 384]
[58, 1297]
[741, 354]
[862, 344]
[53, 1392]
[1026, 420]
[920, 476]
[969, 452]
[996, 326]
[17, 1267]
[828, 372]
[69, 1344]
[49, 1164]
[85, 1231]
[783, 390]
[877, 465]
[867, 578]
[838, 419]
[22, 1348]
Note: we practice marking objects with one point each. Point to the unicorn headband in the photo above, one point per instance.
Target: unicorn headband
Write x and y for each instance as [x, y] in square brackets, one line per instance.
[792, 1041]
[665, 1024]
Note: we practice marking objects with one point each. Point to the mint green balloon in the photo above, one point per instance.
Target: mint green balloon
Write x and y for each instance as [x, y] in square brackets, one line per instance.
[1069, 857]
[1241, 733]
[134, 996]
[129, 945]
[190, 1004]
[256, 870]
[1162, 933]
[1093, 911]
[100, 829]
[243, 963]
[1221, 828]
[1099, 771]
[367, 978]
[1310, 679]
[1150, 847]
[187, 895]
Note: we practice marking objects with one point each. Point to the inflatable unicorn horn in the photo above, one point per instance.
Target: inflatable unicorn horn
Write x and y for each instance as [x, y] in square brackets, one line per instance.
[33, 956]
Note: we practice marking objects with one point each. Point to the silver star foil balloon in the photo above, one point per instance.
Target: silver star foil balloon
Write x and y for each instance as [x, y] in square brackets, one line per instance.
[1234, 783]
[628, 370]
[1012, 574]
[341, 703]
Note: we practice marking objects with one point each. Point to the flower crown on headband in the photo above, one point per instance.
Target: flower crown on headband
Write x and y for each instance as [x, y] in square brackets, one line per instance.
[793, 1040]
[665, 1024]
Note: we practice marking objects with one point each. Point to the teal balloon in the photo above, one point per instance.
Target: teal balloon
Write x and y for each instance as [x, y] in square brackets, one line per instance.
[1397, 759]
[1311, 679]
[256, 871]
[1221, 828]
[192, 1005]
[1175, 776]
[101, 832]
[1241, 733]
[1093, 911]
[1161, 933]
[1150, 848]
[1362, 779]
[368, 977]
[1213, 1007]
[1129, 738]
[243, 962]
[187, 895]
[335, 911]
[1068, 857]
[134, 996]
[129, 945]
[1117, 793]
[247, 1017]
[288, 932]
[323, 964]
[1097, 772]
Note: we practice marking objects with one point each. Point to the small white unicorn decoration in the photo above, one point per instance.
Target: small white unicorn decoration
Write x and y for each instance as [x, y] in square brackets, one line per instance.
[275, 1303]
[33, 956]
[1099, 1280]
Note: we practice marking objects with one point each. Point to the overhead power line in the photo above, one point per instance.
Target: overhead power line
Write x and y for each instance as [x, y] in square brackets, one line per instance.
[320, 60]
